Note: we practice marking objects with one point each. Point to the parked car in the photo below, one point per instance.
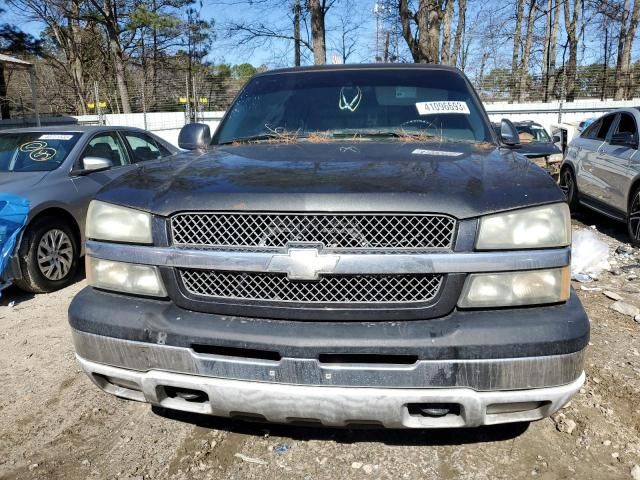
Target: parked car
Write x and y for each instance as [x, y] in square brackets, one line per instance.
[353, 246]
[538, 145]
[58, 170]
[602, 169]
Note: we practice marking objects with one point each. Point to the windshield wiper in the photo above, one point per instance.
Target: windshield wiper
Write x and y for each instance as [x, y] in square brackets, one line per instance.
[363, 133]
[264, 137]
[405, 134]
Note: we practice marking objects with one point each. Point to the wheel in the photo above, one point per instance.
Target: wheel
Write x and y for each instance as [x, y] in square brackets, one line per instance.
[569, 187]
[48, 256]
[633, 218]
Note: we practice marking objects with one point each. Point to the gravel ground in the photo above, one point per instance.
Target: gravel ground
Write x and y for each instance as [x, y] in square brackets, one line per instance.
[55, 424]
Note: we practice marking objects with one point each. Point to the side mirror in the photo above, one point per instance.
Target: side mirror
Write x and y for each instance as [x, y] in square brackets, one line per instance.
[556, 139]
[624, 139]
[194, 136]
[509, 134]
[93, 164]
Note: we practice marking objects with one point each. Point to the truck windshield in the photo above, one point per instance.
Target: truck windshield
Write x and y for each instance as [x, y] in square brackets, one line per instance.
[532, 134]
[433, 104]
[35, 151]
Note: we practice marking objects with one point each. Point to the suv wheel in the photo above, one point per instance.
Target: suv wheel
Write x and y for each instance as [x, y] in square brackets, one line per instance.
[633, 219]
[48, 256]
[569, 186]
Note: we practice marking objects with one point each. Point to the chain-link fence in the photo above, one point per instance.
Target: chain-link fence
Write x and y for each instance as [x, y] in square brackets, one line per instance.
[170, 98]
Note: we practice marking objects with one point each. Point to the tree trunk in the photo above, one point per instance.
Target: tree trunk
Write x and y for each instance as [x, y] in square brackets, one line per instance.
[515, 56]
[457, 41]
[117, 55]
[552, 50]
[526, 53]
[622, 42]
[297, 9]
[433, 32]
[407, 34]
[545, 47]
[445, 55]
[425, 44]
[571, 24]
[317, 31]
[119, 70]
[74, 45]
[626, 61]
[5, 108]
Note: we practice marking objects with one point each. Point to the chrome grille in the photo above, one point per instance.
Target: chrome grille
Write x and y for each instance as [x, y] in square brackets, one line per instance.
[328, 289]
[335, 231]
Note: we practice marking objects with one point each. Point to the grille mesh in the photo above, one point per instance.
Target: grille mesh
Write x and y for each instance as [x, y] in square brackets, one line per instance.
[329, 289]
[343, 231]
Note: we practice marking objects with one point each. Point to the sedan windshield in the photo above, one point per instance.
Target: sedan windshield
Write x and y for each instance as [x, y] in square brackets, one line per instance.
[429, 104]
[35, 151]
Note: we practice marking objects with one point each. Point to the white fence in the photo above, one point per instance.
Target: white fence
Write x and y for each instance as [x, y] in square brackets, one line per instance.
[167, 125]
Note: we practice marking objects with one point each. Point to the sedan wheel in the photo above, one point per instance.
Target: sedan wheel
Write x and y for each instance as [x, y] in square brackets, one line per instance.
[48, 255]
[55, 255]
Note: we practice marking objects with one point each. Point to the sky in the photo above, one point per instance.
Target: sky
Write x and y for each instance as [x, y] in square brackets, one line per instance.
[480, 12]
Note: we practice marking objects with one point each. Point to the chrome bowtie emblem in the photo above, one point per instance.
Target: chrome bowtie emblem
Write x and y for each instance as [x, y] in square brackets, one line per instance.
[303, 263]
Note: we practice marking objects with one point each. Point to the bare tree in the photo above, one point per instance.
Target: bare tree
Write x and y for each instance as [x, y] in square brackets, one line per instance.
[445, 55]
[550, 42]
[523, 73]
[572, 25]
[317, 11]
[424, 43]
[297, 13]
[460, 29]
[515, 57]
[347, 34]
[625, 41]
[62, 18]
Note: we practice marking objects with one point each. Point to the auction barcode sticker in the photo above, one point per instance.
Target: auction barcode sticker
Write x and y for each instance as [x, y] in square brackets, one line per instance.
[55, 137]
[432, 108]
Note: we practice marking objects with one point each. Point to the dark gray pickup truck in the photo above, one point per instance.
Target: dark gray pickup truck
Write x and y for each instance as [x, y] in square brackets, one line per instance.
[354, 245]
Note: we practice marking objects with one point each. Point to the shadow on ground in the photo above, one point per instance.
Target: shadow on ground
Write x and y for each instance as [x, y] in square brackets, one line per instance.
[453, 436]
[14, 294]
[604, 224]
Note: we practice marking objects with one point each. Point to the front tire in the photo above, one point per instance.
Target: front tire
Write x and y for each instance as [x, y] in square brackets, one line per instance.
[48, 256]
[570, 188]
[633, 218]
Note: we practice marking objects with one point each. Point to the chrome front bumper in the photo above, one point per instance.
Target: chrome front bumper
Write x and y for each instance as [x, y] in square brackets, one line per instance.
[483, 392]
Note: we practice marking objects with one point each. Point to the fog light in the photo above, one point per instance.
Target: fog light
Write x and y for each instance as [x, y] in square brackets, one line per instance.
[515, 288]
[125, 277]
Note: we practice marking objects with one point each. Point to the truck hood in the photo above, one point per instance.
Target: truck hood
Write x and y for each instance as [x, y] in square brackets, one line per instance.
[459, 179]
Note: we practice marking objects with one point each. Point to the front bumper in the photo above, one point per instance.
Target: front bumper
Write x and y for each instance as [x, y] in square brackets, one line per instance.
[331, 406]
[488, 367]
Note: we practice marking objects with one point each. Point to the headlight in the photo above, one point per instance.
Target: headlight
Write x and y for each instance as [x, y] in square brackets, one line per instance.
[117, 224]
[537, 227]
[515, 288]
[125, 277]
[556, 158]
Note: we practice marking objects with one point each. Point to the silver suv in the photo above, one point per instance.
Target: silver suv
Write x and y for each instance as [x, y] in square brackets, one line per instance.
[601, 169]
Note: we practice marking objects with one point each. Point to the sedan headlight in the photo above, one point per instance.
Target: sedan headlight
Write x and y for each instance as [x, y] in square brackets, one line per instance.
[516, 288]
[125, 277]
[118, 224]
[537, 227]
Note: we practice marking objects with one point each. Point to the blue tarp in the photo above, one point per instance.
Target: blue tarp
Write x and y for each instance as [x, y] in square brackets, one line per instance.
[13, 216]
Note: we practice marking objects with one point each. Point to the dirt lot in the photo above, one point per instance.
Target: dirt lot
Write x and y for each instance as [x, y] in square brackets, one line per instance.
[55, 424]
